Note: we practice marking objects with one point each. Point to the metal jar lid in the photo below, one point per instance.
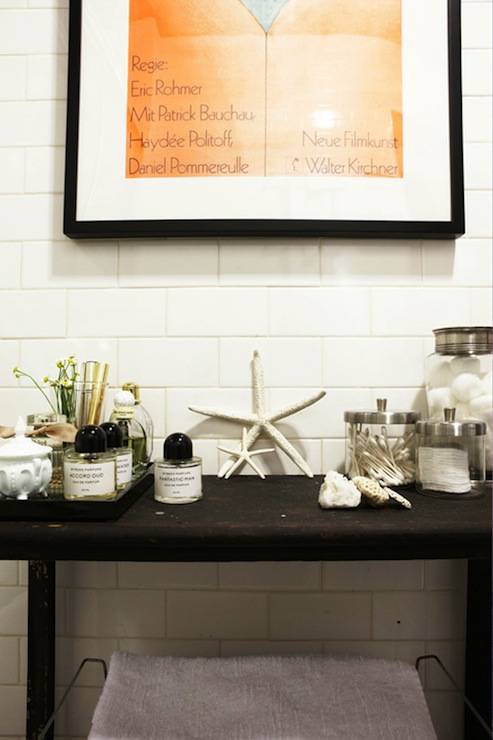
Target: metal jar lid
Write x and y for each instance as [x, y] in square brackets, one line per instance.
[464, 340]
[381, 415]
[449, 427]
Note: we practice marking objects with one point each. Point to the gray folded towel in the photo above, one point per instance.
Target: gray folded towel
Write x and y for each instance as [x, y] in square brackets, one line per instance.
[261, 698]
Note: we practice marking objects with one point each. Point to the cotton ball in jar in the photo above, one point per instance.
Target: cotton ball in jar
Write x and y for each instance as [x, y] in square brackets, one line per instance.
[438, 399]
[487, 383]
[459, 365]
[441, 374]
[462, 411]
[482, 408]
[466, 386]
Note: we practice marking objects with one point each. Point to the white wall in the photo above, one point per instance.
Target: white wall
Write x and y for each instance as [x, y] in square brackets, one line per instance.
[183, 317]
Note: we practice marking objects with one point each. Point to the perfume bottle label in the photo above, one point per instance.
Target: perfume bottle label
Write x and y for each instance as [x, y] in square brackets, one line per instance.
[124, 469]
[84, 479]
[177, 483]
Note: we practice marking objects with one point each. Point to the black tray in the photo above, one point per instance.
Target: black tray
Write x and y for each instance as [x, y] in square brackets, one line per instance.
[60, 510]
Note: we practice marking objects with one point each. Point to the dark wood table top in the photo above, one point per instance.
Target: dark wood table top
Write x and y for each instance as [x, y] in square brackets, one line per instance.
[250, 519]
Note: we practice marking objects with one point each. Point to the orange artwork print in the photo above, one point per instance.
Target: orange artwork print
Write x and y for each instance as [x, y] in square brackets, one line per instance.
[264, 88]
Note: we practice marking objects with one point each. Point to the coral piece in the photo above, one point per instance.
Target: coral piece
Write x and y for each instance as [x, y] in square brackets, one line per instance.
[400, 499]
[263, 422]
[243, 455]
[371, 490]
[337, 492]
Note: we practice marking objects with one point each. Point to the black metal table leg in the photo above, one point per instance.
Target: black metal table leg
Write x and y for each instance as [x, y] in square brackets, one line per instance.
[40, 647]
[478, 646]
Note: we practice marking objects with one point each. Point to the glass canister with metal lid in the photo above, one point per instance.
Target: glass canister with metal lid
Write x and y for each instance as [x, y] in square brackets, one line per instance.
[459, 375]
[450, 455]
[380, 444]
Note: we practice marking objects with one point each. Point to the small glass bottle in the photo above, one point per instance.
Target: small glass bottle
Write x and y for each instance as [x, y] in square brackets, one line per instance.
[116, 444]
[41, 421]
[137, 424]
[178, 476]
[450, 455]
[89, 470]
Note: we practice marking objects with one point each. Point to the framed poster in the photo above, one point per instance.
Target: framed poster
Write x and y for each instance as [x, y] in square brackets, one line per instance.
[264, 118]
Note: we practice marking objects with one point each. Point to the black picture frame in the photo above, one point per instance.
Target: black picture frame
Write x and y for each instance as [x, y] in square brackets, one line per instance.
[451, 229]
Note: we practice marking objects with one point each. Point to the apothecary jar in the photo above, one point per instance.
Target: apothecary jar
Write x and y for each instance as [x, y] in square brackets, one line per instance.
[459, 375]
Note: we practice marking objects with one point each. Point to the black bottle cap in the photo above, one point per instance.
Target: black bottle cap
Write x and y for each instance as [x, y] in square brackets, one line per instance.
[114, 435]
[178, 447]
[90, 439]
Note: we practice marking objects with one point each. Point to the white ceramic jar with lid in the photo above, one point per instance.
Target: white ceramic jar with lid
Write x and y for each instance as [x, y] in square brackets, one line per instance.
[450, 455]
[25, 466]
[458, 374]
[380, 444]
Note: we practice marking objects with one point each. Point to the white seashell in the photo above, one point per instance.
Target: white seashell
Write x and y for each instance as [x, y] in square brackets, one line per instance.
[466, 386]
[337, 492]
[460, 365]
[438, 399]
[400, 499]
[371, 490]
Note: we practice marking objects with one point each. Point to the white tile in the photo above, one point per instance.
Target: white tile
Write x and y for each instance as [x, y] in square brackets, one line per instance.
[79, 709]
[13, 709]
[333, 455]
[16, 402]
[13, 611]
[153, 399]
[417, 311]
[167, 575]
[476, 72]
[33, 32]
[11, 170]
[111, 613]
[399, 615]
[323, 419]
[406, 651]
[32, 123]
[180, 418]
[445, 574]
[9, 663]
[31, 313]
[270, 576]
[45, 169]
[48, 3]
[464, 262]
[12, 77]
[372, 362]
[447, 712]
[9, 358]
[320, 616]
[175, 648]
[206, 615]
[481, 307]
[217, 311]
[69, 264]
[269, 262]
[25, 217]
[270, 647]
[39, 356]
[277, 462]
[10, 259]
[86, 574]
[371, 262]
[478, 165]
[479, 218]
[71, 651]
[207, 450]
[373, 575]
[319, 312]
[168, 262]
[476, 26]
[124, 313]
[8, 573]
[445, 615]
[402, 399]
[452, 655]
[47, 76]
[170, 362]
[477, 118]
[286, 362]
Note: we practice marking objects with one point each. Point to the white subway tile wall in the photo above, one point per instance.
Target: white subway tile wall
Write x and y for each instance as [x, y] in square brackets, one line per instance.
[183, 316]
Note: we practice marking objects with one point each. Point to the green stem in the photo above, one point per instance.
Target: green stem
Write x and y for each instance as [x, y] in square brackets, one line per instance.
[25, 375]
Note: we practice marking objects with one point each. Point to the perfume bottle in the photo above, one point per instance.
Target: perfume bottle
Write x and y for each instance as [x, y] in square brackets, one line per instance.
[136, 423]
[89, 470]
[178, 476]
[120, 447]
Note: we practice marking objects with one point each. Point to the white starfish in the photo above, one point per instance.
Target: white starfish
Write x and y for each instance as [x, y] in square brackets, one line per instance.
[243, 455]
[261, 421]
